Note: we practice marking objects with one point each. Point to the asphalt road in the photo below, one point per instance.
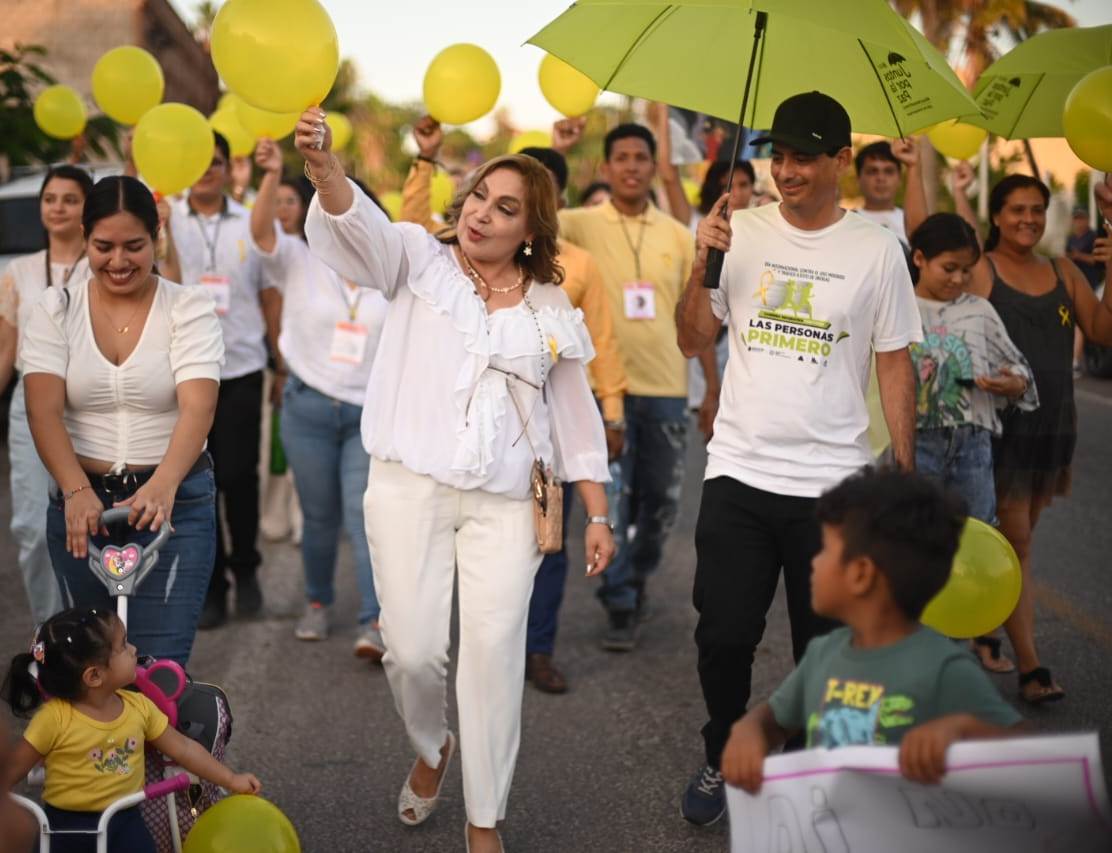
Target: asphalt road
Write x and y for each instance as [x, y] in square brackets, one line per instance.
[602, 767]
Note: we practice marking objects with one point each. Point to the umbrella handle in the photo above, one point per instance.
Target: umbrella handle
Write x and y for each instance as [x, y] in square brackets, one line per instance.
[715, 259]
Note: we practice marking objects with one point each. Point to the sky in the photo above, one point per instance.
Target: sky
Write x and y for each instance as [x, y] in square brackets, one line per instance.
[392, 43]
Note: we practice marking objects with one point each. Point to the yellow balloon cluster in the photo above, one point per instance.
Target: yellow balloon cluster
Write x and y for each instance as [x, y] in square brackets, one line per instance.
[956, 139]
[260, 123]
[983, 588]
[240, 823]
[59, 112]
[278, 55]
[1087, 119]
[462, 84]
[568, 90]
[127, 81]
[172, 147]
[530, 139]
[226, 122]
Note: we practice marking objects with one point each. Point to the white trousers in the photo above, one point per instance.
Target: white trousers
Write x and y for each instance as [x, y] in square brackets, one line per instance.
[421, 533]
[30, 483]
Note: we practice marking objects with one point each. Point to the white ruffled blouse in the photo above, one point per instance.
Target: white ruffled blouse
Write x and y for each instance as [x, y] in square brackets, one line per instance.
[438, 400]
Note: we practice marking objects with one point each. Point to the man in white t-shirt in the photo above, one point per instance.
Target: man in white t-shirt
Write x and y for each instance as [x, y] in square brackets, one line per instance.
[809, 292]
[878, 176]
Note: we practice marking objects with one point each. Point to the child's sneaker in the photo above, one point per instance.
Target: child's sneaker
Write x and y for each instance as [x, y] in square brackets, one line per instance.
[704, 801]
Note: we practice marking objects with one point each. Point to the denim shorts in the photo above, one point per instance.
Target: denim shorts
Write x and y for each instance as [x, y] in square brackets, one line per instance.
[960, 458]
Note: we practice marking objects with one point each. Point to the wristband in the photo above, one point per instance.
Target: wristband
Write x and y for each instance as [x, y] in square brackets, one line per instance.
[426, 159]
[601, 519]
[618, 425]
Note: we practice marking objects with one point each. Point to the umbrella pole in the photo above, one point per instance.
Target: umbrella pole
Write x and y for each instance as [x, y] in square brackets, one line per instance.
[715, 257]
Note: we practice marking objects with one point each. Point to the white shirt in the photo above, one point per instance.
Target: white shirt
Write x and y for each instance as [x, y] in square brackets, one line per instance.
[805, 311]
[24, 283]
[314, 301]
[434, 403]
[220, 246]
[124, 414]
[892, 219]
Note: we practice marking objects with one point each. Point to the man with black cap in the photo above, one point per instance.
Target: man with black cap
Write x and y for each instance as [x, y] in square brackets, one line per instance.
[809, 294]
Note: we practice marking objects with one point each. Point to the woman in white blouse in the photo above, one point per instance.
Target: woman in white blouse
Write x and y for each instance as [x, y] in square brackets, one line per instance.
[480, 369]
[122, 371]
[24, 281]
[330, 330]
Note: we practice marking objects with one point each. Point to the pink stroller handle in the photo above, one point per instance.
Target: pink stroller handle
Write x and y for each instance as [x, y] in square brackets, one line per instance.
[167, 786]
[167, 704]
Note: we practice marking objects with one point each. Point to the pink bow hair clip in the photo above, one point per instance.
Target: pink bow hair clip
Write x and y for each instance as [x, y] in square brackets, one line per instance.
[38, 652]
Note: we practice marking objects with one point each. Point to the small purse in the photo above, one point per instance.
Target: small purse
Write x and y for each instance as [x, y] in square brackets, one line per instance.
[548, 491]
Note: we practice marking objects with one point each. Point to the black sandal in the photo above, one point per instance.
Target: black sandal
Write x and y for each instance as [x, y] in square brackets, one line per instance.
[987, 650]
[1048, 692]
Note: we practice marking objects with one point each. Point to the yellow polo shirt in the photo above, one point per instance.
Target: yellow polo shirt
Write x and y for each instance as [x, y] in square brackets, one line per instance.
[655, 367]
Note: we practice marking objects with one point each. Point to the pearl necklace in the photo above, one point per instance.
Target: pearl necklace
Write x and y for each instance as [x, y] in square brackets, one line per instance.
[473, 274]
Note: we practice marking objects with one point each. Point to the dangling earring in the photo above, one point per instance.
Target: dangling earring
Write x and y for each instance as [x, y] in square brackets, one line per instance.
[528, 250]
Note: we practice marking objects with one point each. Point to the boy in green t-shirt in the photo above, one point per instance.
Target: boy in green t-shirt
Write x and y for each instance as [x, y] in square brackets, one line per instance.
[888, 541]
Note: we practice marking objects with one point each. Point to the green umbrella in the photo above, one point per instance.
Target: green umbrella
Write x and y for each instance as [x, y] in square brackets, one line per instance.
[1021, 95]
[694, 54]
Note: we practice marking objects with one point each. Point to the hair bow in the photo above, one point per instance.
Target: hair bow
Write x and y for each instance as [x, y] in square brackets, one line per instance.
[38, 652]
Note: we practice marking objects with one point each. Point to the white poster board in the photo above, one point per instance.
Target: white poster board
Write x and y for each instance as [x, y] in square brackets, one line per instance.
[1043, 794]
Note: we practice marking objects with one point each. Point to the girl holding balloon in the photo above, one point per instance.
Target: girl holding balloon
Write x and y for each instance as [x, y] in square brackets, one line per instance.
[481, 359]
[1040, 301]
[61, 263]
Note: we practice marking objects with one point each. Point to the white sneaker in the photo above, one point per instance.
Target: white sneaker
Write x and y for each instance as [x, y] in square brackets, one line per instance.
[314, 624]
[370, 645]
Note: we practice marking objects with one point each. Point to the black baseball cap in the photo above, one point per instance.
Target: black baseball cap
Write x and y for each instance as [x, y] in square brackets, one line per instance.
[810, 122]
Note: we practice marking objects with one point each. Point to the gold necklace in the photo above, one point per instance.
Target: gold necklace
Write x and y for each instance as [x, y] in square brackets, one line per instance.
[118, 329]
[478, 279]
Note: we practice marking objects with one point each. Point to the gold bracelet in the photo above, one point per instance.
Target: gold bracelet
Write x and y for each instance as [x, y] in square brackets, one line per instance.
[73, 492]
[318, 183]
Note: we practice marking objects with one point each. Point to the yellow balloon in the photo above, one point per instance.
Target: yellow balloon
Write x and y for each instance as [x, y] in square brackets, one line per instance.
[461, 84]
[261, 123]
[1087, 119]
[692, 191]
[240, 823]
[341, 130]
[127, 81]
[59, 112]
[983, 588]
[567, 89]
[226, 122]
[278, 55]
[227, 102]
[530, 139]
[441, 192]
[173, 147]
[956, 139]
[392, 201]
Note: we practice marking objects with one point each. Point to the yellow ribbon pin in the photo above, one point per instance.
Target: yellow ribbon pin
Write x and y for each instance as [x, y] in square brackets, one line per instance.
[554, 348]
[1064, 315]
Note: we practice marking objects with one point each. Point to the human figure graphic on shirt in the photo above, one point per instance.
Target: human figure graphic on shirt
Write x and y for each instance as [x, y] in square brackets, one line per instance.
[131, 350]
[645, 257]
[1040, 301]
[212, 235]
[479, 381]
[61, 199]
[91, 732]
[756, 516]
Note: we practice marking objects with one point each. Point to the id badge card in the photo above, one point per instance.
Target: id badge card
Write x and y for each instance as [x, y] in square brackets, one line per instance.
[219, 287]
[349, 343]
[640, 301]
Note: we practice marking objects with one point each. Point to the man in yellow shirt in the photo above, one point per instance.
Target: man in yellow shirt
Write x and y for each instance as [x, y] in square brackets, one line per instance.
[586, 291]
[645, 257]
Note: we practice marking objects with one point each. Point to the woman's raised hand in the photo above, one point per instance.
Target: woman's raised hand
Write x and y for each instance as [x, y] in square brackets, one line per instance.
[313, 138]
[268, 156]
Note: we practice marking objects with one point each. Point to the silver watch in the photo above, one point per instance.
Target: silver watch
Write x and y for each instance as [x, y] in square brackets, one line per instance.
[601, 519]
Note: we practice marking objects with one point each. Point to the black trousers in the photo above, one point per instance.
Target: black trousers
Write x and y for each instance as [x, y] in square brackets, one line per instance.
[742, 539]
[234, 445]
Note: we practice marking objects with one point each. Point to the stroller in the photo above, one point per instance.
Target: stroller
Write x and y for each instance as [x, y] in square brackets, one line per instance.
[199, 711]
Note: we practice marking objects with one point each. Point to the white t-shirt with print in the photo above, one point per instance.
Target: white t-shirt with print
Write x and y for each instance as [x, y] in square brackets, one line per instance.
[892, 219]
[805, 311]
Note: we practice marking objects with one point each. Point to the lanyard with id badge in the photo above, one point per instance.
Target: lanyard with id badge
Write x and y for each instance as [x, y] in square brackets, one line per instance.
[349, 338]
[639, 296]
[219, 287]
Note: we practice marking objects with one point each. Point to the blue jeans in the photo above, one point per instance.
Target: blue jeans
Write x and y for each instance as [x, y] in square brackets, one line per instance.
[325, 451]
[652, 475]
[548, 592]
[163, 613]
[126, 831]
[960, 458]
